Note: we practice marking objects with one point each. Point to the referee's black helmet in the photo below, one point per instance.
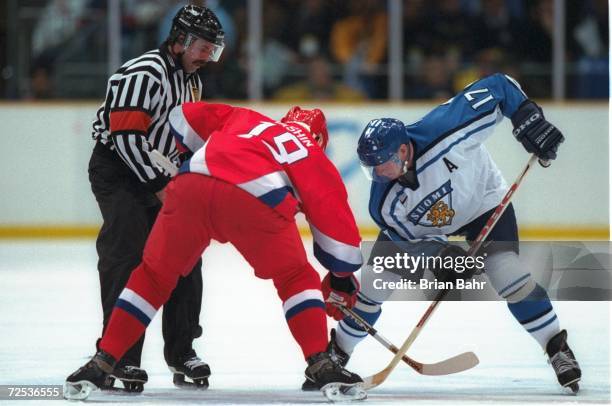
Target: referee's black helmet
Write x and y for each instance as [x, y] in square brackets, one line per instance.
[197, 21]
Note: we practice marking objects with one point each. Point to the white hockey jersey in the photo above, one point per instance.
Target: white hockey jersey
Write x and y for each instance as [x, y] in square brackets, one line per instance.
[456, 179]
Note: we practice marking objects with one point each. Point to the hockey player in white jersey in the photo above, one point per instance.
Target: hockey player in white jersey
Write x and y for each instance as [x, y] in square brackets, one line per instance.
[435, 178]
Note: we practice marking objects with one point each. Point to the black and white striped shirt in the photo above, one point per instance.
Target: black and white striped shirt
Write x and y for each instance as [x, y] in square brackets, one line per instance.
[134, 117]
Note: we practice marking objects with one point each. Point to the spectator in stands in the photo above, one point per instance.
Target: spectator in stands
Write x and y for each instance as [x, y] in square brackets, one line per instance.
[416, 32]
[319, 85]
[591, 33]
[278, 59]
[59, 20]
[593, 39]
[359, 41]
[41, 79]
[485, 63]
[494, 27]
[450, 29]
[311, 21]
[534, 38]
[434, 80]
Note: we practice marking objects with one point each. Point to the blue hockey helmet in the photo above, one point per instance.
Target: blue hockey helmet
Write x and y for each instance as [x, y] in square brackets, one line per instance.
[379, 142]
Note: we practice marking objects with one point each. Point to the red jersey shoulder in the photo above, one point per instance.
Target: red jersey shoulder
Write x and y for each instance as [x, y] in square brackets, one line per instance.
[243, 119]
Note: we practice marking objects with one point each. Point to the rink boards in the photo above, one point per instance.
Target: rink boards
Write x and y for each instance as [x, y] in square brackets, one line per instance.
[45, 149]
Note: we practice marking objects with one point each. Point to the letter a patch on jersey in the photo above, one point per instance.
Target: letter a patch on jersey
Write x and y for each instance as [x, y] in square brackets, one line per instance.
[449, 165]
[436, 209]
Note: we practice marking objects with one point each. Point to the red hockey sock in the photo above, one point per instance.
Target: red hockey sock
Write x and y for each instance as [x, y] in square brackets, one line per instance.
[300, 291]
[145, 292]
[121, 334]
[309, 329]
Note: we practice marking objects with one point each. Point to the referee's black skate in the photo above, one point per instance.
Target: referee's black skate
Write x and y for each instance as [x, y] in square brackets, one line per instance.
[192, 368]
[563, 361]
[336, 383]
[89, 377]
[336, 352]
[133, 379]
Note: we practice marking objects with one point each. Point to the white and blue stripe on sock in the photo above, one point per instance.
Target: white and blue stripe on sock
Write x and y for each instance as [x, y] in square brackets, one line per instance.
[536, 315]
[349, 333]
[136, 305]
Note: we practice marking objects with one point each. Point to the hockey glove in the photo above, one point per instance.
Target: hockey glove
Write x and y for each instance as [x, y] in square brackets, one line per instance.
[339, 291]
[537, 135]
[455, 264]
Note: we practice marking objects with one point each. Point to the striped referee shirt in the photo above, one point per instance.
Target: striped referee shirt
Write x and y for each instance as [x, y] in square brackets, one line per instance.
[133, 119]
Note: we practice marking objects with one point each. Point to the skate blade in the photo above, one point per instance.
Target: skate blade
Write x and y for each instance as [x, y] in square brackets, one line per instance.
[78, 390]
[341, 392]
[196, 384]
[572, 387]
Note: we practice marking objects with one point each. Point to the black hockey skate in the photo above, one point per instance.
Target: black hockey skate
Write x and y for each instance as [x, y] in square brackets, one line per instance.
[564, 362]
[133, 379]
[336, 383]
[193, 368]
[336, 353]
[89, 377]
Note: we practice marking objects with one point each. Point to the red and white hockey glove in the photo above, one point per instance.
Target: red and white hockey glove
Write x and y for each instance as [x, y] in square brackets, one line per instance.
[339, 291]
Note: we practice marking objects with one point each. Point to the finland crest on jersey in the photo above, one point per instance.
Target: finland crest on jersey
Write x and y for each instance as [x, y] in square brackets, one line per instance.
[436, 209]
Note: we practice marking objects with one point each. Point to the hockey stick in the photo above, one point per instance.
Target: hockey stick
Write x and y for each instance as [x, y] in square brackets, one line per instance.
[379, 377]
[448, 366]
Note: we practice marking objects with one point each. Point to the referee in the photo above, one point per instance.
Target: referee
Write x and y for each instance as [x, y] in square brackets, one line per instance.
[129, 188]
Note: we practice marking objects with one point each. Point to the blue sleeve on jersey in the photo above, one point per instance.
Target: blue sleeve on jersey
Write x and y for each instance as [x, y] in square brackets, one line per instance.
[475, 101]
[506, 91]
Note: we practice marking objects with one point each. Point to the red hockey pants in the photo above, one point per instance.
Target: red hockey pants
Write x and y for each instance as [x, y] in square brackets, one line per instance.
[200, 208]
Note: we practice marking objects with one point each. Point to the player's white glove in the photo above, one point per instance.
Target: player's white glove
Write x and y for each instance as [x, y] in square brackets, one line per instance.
[163, 162]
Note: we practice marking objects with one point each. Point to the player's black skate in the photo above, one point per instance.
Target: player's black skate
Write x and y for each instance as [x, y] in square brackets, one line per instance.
[133, 379]
[564, 362]
[336, 383]
[193, 368]
[336, 352]
[89, 377]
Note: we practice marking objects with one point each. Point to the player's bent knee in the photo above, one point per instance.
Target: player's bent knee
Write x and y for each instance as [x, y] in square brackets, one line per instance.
[291, 281]
[508, 276]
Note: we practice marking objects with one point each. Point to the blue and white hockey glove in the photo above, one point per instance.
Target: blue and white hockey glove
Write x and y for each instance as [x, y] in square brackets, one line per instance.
[537, 135]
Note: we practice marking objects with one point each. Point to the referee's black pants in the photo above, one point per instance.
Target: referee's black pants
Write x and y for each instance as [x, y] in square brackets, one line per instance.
[128, 212]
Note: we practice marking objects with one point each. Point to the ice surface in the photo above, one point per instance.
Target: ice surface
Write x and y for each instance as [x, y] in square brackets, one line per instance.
[50, 318]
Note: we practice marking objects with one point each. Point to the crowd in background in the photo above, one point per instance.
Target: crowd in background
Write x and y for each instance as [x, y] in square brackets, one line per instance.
[330, 50]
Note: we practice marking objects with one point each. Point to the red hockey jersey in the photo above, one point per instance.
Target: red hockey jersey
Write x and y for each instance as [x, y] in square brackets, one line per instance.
[280, 164]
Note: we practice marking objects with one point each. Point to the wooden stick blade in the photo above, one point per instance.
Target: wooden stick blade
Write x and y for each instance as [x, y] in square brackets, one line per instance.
[370, 382]
[453, 365]
[458, 363]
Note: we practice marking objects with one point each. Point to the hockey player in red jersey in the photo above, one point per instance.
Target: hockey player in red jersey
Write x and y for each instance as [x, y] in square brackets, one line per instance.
[247, 178]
